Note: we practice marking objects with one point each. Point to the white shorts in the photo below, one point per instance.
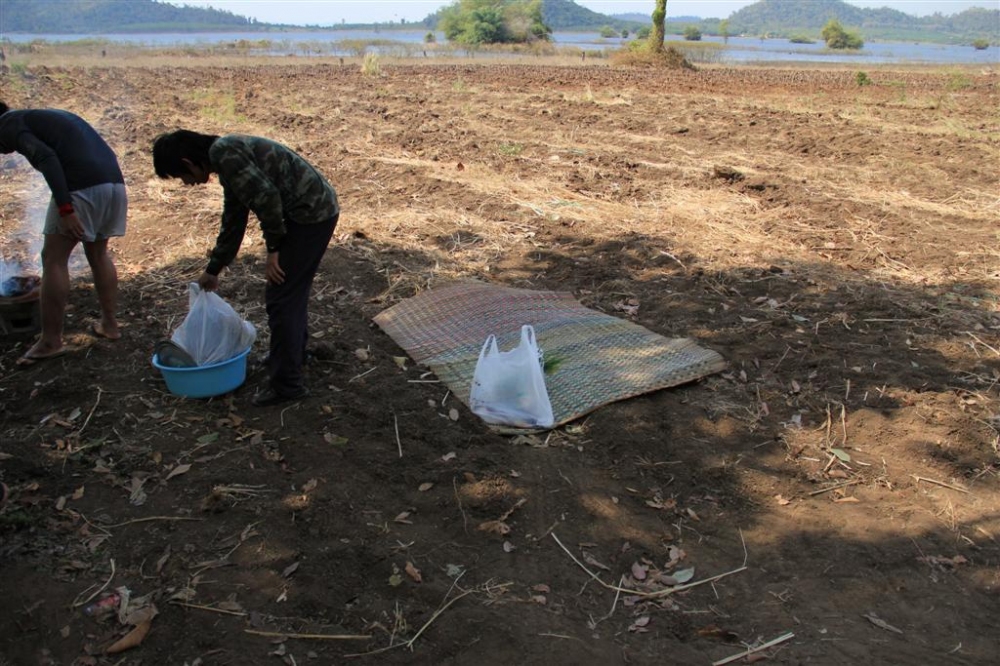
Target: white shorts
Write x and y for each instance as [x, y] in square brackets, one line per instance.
[102, 210]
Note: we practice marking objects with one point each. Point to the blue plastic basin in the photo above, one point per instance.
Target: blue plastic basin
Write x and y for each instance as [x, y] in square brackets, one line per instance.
[205, 381]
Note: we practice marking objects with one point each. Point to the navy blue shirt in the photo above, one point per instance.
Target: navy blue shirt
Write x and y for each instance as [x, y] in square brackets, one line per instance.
[70, 154]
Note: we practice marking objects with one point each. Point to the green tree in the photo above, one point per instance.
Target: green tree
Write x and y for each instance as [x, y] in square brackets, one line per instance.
[692, 33]
[474, 22]
[724, 30]
[838, 38]
[607, 32]
[659, 19]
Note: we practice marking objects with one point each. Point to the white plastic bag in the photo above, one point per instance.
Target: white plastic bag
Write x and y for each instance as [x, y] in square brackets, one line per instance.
[213, 331]
[508, 388]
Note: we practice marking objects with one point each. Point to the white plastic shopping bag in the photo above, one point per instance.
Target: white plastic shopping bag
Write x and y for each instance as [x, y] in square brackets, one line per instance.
[213, 331]
[508, 388]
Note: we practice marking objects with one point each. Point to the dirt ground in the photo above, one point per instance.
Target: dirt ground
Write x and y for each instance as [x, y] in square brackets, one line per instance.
[838, 244]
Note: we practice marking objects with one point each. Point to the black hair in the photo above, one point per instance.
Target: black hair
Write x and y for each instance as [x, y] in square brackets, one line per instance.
[169, 149]
[3, 108]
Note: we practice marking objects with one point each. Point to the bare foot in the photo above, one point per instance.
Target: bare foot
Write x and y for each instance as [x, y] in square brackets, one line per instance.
[108, 332]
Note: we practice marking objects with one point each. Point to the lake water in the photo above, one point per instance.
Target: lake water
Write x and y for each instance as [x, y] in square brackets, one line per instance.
[411, 43]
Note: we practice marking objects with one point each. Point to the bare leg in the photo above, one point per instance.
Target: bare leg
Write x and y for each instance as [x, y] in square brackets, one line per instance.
[106, 284]
[54, 293]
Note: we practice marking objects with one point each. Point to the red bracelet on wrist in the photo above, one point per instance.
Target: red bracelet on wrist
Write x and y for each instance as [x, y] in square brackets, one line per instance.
[65, 209]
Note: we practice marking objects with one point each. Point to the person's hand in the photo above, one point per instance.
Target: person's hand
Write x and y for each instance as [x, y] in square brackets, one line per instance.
[208, 282]
[71, 226]
[273, 269]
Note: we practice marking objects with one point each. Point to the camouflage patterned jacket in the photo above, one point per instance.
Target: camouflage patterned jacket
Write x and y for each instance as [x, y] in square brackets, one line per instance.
[271, 180]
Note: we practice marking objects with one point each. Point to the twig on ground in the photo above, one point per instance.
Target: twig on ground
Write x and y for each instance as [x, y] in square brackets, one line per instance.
[465, 518]
[315, 637]
[640, 593]
[939, 483]
[207, 608]
[433, 617]
[92, 409]
[362, 374]
[149, 519]
[399, 444]
[77, 604]
[750, 651]
[852, 482]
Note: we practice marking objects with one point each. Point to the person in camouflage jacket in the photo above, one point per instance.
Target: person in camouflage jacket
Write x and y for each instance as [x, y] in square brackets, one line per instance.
[297, 210]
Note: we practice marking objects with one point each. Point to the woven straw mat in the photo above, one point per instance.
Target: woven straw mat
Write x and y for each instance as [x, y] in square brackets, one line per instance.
[598, 358]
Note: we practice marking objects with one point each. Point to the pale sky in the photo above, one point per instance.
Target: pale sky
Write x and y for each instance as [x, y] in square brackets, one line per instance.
[329, 12]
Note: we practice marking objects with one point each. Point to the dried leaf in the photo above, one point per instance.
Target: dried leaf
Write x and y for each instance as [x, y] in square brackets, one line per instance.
[290, 569]
[782, 501]
[639, 571]
[842, 454]
[309, 486]
[448, 456]
[133, 638]
[679, 577]
[396, 579]
[495, 526]
[177, 471]
[160, 563]
[61, 503]
[336, 440]
[712, 631]
[453, 414]
[541, 587]
[400, 361]
[880, 623]
[508, 547]
[639, 624]
[403, 518]
[538, 599]
[208, 438]
[589, 559]
[362, 354]
[413, 572]
[424, 487]
[78, 493]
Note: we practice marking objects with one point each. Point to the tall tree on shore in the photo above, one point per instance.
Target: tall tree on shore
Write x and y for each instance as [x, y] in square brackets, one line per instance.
[659, 19]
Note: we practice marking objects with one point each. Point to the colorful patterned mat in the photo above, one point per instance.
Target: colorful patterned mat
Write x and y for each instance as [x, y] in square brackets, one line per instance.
[597, 358]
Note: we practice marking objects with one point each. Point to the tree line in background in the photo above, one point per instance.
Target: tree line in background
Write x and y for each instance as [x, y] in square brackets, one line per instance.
[492, 21]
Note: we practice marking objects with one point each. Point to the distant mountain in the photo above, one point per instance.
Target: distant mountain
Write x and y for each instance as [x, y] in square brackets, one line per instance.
[88, 16]
[779, 18]
[787, 17]
[566, 15]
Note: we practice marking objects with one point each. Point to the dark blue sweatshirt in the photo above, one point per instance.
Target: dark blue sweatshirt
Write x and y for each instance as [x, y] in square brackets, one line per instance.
[70, 153]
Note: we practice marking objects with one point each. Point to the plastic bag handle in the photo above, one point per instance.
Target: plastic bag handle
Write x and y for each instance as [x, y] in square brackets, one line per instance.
[489, 347]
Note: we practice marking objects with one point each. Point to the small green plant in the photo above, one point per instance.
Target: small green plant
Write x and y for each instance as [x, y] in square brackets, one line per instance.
[981, 44]
[460, 86]
[370, 66]
[959, 81]
[608, 32]
[430, 38]
[862, 79]
[510, 149]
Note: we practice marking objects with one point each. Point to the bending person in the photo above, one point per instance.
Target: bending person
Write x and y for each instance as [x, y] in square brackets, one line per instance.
[89, 205]
[297, 210]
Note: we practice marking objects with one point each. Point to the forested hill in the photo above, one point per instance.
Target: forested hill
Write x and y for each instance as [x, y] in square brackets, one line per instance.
[87, 16]
[780, 18]
[786, 17]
